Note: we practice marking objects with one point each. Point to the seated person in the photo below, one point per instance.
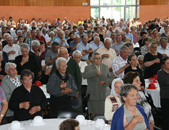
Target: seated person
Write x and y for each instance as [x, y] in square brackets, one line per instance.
[112, 102]
[61, 87]
[28, 100]
[129, 116]
[2, 67]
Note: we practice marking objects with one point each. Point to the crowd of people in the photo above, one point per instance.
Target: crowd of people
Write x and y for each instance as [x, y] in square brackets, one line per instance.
[93, 57]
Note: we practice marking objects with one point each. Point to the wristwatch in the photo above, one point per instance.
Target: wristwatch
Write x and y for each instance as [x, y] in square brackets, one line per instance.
[2, 115]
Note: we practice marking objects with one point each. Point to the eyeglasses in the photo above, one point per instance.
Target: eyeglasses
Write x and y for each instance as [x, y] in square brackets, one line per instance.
[27, 80]
[64, 66]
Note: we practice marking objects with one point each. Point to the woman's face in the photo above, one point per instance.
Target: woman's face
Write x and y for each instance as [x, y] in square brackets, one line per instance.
[130, 50]
[62, 67]
[77, 58]
[24, 52]
[117, 86]
[147, 42]
[166, 65]
[97, 59]
[21, 40]
[137, 83]
[42, 46]
[134, 61]
[12, 71]
[131, 98]
[153, 48]
[72, 36]
[27, 81]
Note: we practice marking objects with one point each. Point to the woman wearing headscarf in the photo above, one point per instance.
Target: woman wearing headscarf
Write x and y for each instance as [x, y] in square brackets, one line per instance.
[112, 102]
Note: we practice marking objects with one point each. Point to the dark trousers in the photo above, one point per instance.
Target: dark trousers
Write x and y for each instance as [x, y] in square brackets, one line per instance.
[165, 113]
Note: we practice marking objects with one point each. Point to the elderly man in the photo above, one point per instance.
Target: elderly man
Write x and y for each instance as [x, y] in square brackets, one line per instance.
[107, 53]
[80, 32]
[73, 67]
[94, 35]
[61, 40]
[84, 47]
[3, 20]
[124, 38]
[8, 84]
[118, 44]
[13, 34]
[113, 38]
[57, 23]
[11, 22]
[44, 34]
[129, 35]
[67, 34]
[119, 64]
[52, 54]
[162, 49]
[74, 43]
[96, 45]
[24, 32]
[13, 50]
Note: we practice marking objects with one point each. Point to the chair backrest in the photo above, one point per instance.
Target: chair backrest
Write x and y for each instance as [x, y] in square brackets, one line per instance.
[99, 116]
[69, 114]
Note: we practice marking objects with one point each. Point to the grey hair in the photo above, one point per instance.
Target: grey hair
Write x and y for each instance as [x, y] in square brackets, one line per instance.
[152, 43]
[6, 34]
[43, 29]
[140, 57]
[67, 31]
[59, 60]
[96, 37]
[77, 52]
[35, 43]
[61, 48]
[19, 31]
[95, 53]
[76, 35]
[38, 30]
[107, 38]
[125, 89]
[128, 44]
[124, 28]
[9, 37]
[55, 44]
[1, 52]
[59, 31]
[80, 27]
[117, 35]
[24, 45]
[52, 32]
[8, 65]
[95, 34]
[124, 47]
[161, 39]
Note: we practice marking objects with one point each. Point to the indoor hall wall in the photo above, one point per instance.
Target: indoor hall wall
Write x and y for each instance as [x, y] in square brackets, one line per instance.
[150, 12]
[154, 2]
[73, 13]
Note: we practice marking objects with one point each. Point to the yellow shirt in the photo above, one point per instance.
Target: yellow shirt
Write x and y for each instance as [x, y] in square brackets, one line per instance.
[80, 22]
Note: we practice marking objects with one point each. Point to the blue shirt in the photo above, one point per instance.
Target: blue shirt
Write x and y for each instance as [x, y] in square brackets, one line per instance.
[79, 35]
[162, 51]
[95, 47]
[80, 46]
[59, 41]
[130, 36]
[71, 44]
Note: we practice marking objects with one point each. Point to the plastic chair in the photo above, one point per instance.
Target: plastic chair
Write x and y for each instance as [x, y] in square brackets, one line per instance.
[69, 114]
[99, 116]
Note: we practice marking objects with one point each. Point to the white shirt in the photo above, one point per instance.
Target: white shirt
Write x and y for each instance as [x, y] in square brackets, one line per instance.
[46, 36]
[15, 48]
[82, 66]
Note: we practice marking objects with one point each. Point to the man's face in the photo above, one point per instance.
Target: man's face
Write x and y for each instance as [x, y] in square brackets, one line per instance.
[97, 41]
[81, 30]
[119, 38]
[10, 41]
[3, 29]
[113, 35]
[44, 31]
[63, 53]
[164, 43]
[107, 44]
[55, 48]
[60, 35]
[98, 30]
[2, 18]
[124, 54]
[127, 30]
[85, 39]
[66, 34]
[35, 48]
[34, 33]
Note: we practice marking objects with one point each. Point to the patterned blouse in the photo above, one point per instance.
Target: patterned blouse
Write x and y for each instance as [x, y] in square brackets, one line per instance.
[16, 82]
[2, 97]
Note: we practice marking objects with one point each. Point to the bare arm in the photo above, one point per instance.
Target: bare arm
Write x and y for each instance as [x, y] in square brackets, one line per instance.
[74, 47]
[149, 63]
[51, 61]
[122, 69]
[4, 108]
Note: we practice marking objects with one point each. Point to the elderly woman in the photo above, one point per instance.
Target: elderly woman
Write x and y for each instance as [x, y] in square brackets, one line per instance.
[152, 61]
[2, 67]
[145, 48]
[132, 59]
[82, 64]
[61, 87]
[69, 124]
[27, 100]
[112, 102]
[99, 78]
[162, 77]
[8, 84]
[26, 61]
[133, 78]
[129, 116]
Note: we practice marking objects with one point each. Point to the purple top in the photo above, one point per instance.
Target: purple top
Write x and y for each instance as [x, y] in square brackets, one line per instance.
[135, 37]
[2, 97]
[42, 56]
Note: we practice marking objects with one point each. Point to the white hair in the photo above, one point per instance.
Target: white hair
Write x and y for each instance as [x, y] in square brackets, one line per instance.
[140, 57]
[77, 52]
[9, 37]
[9, 65]
[35, 43]
[95, 53]
[59, 60]
[52, 32]
[76, 35]
[19, 31]
[107, 38]
[43, 29]
[24, 45]
[61, 48]
[96, 38]
[6, 34]
[80, 27]
[95, 34]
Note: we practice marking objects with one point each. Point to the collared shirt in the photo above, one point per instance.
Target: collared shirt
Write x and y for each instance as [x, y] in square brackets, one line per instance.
[50, 54]
[120, 29]
[79, 35]
[16, 82]
[95, 47]
[60, 40]
[117, 64]
[82, 65]
[55, 38]
[46, 36]
[162, 51]
[110, 52]
[80, 46]
[15, 48]
[130, 36]
[117, 47]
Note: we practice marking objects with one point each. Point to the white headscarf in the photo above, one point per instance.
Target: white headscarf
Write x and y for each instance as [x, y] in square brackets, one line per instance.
[112, 86]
